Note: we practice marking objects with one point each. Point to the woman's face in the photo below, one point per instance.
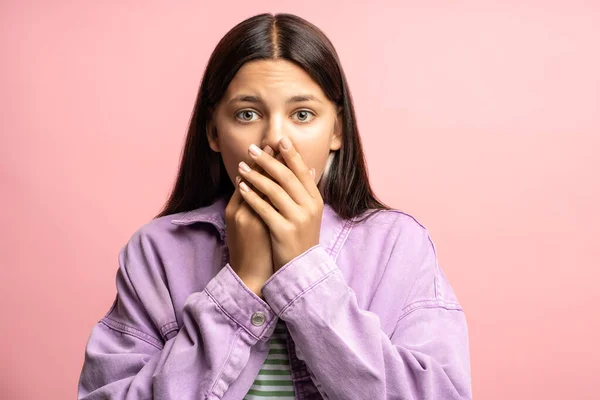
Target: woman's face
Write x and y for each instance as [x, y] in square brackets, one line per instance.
[266, 101]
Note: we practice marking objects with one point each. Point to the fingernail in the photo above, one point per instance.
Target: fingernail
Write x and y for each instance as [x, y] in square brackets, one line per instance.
[268, 149]
[285, 143]
[244, 187]
[255, 150]
[244, 167]
[238, 179]
[312, 172]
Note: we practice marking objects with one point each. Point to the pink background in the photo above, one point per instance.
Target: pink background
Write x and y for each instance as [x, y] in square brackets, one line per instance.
[479, 118]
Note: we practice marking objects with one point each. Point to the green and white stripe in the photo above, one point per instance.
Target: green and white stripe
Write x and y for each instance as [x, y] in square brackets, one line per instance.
[274, 380]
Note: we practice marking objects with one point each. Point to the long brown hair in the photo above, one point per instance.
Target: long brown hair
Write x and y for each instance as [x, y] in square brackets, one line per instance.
[202, 176]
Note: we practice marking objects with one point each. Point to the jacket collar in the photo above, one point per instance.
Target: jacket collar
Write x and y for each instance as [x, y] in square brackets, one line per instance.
[213, 214]
[334, 229]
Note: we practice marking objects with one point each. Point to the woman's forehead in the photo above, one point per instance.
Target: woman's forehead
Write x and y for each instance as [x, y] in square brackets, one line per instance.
[273, 80]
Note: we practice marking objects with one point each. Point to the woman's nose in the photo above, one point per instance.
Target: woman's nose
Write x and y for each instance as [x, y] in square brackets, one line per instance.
[273, 141]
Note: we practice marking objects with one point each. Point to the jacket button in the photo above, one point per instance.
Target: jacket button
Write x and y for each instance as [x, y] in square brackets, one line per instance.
[258, 318]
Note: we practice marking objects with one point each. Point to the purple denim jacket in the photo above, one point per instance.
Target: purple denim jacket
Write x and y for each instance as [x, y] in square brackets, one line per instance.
[370, 313]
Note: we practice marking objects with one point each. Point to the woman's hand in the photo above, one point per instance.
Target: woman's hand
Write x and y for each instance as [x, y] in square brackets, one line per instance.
[248, 241]
[294, 212]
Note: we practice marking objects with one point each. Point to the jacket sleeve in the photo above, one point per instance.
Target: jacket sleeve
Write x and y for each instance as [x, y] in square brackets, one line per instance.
[348, 355]
[128, 356]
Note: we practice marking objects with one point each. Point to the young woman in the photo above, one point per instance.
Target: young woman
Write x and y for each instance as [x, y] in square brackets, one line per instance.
[273, 271]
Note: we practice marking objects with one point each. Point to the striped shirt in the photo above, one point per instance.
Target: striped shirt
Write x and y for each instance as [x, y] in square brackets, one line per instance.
[274, 380]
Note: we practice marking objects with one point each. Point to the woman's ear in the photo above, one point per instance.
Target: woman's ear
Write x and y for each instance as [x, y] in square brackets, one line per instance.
[211, 134]
[336, 138]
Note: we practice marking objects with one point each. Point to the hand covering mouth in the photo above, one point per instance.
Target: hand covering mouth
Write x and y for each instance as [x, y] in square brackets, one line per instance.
[280, 158]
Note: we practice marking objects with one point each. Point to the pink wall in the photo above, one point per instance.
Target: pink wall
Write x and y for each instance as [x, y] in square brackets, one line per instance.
[490, 112]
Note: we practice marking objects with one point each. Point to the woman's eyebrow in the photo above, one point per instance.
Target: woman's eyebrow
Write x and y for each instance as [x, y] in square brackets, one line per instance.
[257, 99]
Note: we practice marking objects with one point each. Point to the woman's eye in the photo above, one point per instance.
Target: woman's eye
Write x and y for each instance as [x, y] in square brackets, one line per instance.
[245, 113]
[303, 115]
